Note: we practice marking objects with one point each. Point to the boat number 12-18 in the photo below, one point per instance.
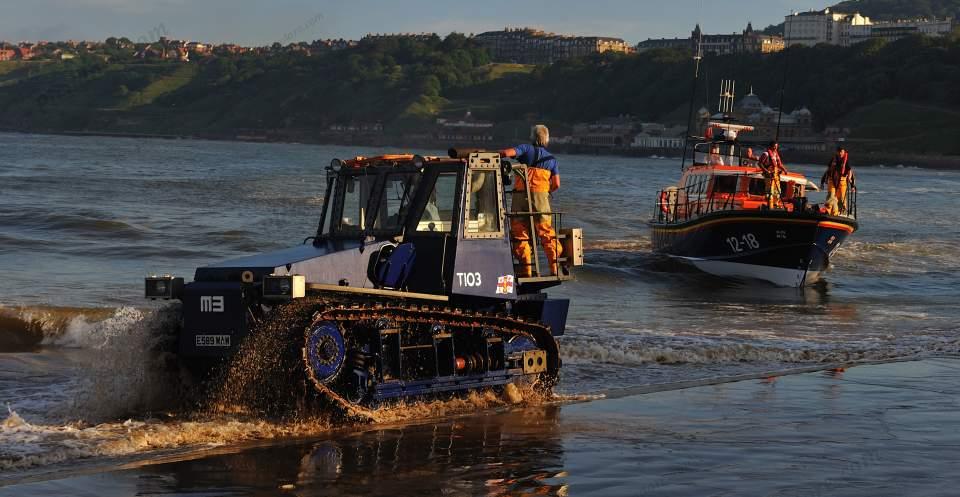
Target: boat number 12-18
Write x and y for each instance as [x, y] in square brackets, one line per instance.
[740, 243]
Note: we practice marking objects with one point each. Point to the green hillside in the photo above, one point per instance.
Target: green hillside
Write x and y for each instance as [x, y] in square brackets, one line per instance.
[888, 10]
[403, 85]
[894, 125]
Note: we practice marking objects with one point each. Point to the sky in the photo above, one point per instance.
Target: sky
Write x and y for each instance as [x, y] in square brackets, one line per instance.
[261, 22]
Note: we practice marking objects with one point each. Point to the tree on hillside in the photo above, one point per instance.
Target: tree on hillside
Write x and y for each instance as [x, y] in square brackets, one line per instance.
[888, 10]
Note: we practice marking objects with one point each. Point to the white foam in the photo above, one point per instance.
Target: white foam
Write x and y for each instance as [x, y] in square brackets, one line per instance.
[714, 351]
[80, 332]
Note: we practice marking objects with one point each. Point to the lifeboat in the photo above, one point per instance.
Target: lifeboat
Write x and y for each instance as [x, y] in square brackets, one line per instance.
[717, 217]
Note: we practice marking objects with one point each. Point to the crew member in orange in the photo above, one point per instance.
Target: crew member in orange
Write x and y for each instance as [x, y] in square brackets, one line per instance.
[543, 178]
[772, 167]
[838, 180]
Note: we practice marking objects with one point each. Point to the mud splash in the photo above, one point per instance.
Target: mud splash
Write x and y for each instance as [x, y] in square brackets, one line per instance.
[133, 372]
[129, 397]
[267, 378]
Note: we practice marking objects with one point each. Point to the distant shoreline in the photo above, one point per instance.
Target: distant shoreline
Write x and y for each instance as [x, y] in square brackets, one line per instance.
[860, 159]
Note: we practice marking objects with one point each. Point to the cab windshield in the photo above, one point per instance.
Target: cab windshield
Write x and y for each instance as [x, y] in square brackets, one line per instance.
[375, 203]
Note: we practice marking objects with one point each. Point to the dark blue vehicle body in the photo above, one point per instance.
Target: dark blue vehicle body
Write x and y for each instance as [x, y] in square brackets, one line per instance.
[395, 231]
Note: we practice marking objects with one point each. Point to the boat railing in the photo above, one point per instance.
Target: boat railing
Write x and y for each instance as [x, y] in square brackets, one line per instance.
[849, 209]
[677, 205]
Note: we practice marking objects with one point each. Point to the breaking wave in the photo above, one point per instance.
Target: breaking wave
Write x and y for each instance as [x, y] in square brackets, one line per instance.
[24, 445]
[633, 245]
[27, 328]
[77, 224]
[30, 327]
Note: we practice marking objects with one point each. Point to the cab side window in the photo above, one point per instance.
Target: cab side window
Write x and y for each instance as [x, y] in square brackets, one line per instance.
[438, 214]
[356, 196]
[484, 214]
[398, 191]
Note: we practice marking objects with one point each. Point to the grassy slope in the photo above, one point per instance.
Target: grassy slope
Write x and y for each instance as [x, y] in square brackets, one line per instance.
[482, 107]
[167, 84]
[12, 71]
[498, 70]
[9, 65]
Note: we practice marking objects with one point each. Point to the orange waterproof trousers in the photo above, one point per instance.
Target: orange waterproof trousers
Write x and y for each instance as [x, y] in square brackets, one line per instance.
[520, 233]
[773, 191]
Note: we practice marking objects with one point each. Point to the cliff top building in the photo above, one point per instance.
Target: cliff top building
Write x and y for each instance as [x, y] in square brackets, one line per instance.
[822, 26]
[534, 46]
[837, 28]
[748, 41]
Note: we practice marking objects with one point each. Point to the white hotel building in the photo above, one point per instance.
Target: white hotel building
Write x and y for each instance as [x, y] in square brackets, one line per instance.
[836, 28]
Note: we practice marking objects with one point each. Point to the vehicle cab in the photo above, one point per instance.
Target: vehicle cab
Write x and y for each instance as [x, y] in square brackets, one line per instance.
[447, 216]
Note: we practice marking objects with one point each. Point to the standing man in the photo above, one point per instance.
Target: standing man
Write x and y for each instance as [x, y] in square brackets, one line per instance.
[772, 167]
[542, 178]
[838, 179]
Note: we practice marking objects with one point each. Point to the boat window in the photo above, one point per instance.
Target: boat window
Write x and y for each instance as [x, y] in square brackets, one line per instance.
[483, 214]
[725, 184]
[786, 190]
[398, 191]
[438, 214]
[356, 196]
[758, 186]
[700, 185]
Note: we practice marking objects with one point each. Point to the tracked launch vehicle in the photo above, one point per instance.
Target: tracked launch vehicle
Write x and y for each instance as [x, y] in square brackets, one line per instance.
[407, 288]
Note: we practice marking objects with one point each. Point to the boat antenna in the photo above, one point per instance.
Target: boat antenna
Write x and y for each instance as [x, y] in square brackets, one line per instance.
[697, 58]
[783, 85]
[728, 93]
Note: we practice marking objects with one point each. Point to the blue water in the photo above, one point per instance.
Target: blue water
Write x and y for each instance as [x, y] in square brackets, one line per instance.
[83, 219]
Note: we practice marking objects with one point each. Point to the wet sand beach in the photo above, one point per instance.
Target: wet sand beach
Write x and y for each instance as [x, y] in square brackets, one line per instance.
[883, 429]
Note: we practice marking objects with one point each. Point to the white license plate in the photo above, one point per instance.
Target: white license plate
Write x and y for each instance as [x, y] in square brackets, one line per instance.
[213, 340]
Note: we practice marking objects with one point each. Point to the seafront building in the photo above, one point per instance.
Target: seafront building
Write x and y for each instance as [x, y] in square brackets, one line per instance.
[534, 46]
[467, 129]
[659, 136]
[614, 132]
[843, 29]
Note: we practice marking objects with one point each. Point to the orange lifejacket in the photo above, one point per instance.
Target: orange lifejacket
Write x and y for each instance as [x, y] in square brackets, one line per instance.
[838, 170]
[771, 162]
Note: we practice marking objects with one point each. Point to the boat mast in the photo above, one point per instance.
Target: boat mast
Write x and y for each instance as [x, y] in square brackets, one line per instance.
[697, 58]
[783, 86]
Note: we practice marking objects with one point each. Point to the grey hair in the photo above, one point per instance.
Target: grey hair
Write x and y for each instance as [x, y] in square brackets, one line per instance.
[540, 135]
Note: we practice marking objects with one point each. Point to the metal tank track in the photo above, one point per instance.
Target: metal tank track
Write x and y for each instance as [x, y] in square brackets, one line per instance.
[450, 319]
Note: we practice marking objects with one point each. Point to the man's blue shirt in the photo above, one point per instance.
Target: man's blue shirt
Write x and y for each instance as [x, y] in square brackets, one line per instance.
[528, 154]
